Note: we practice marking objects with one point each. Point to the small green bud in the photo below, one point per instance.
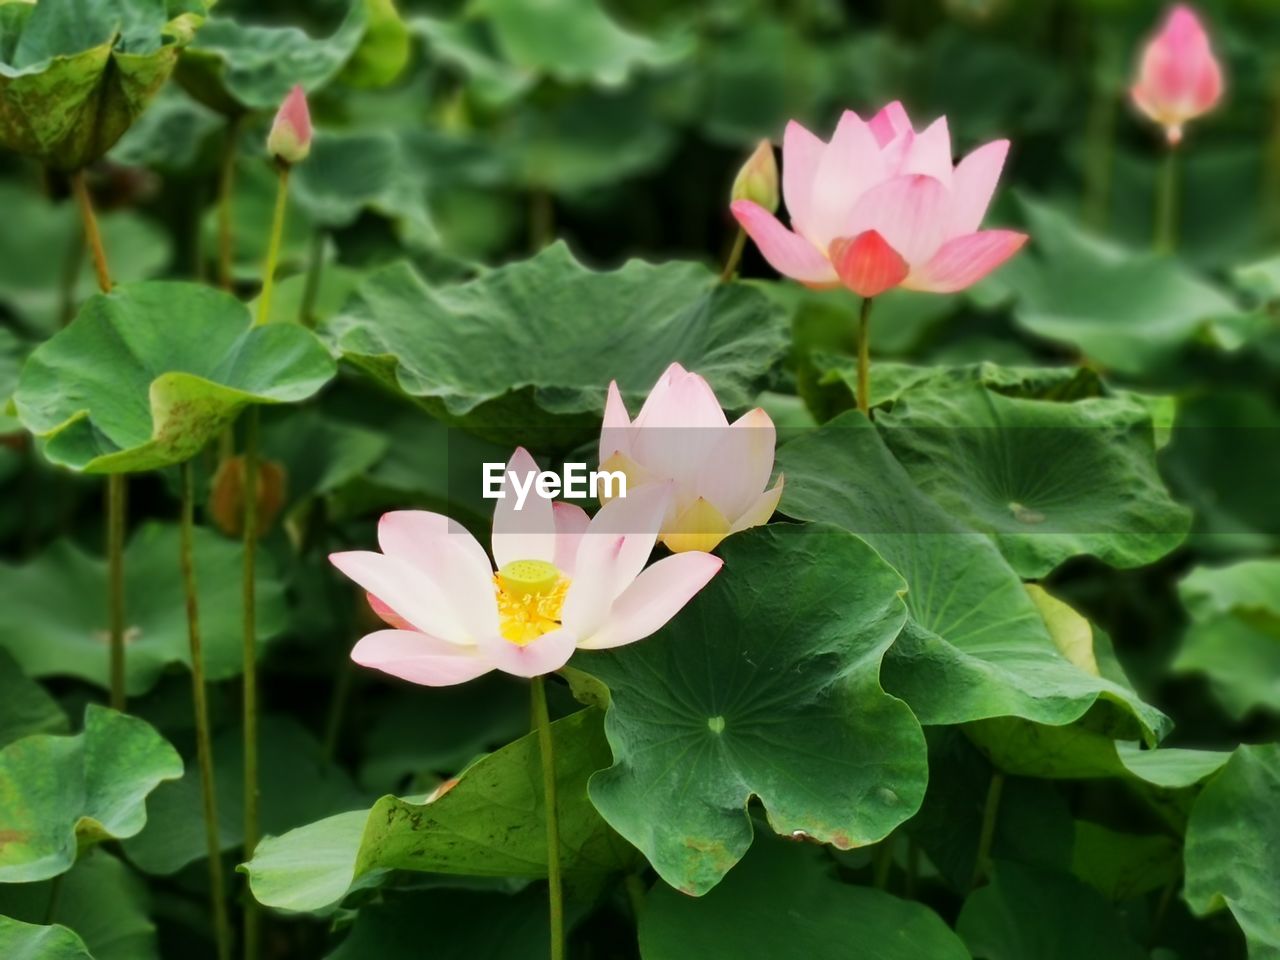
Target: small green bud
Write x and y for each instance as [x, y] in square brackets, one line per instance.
[758, 179]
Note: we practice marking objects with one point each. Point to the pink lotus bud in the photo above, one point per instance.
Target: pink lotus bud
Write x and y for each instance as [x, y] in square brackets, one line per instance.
[758, 179]
[1178, 76]
[290, 137]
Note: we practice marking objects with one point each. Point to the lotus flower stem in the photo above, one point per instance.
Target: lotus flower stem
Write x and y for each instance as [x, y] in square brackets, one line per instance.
[542, 722]
[204, 741]
[882, 861]
[273, 246]
[1166, 237]
[735, 256]
[55, 896]
[864, 356]
[226, 190]
[248, 589]
[116, 483]
[311, 288]
[542, 218]
[988, 832]
[1100, 134]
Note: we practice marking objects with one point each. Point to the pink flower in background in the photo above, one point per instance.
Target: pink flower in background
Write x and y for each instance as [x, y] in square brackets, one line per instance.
[563, 582]
[1178, 76]
[681, 436]
[290, 136]
[881, 206]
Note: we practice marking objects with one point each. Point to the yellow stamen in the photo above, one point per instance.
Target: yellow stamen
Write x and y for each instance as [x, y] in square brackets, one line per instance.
[530, 596]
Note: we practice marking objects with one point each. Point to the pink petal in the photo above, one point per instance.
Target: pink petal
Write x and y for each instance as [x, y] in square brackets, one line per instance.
[615, 432]
[676, 429]
[548, 653]
[909, 212]
[891, 121]
[966, 260]
[571, 524]
[849, 167]
[930, 153]
[789, 253]
[657, 595]
[801, 152]
[408, 591]
[530, 532]
[611, 554]
[738, 467]
[867, 264]
[419, 658]
[761, 510]
[973, 186]
[386, 614]
[1179, 77]
[681, 398]
[290, 135]
[450, 557]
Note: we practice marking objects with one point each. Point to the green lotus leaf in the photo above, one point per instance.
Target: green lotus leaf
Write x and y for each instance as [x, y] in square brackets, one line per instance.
[53, 609]
[574, 41]
[1030, 912]
[1131, 312]
[1122, 866]
[565, 330]
[1234, 635]
[1233, 847]
[383, 52]
[297, 785]
[233, 66]
[489, 825]
[75, 74]
[34, 941]
[784, 900]
[100, 899]
[60, 794]
[173, 138]
[975, 644]
[146, 375]
[25, 707]
[786, 706]
[468, 46]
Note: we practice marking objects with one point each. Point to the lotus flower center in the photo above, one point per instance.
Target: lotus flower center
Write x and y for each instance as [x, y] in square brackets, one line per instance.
[530, 596]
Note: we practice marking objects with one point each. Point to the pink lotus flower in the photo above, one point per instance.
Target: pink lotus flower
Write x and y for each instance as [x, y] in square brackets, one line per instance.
[682, 437]
[881, 206]
[563, 582]
[1178, 77]
[290, 138]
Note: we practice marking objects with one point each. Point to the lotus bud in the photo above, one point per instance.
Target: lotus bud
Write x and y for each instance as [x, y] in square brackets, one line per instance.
[758, 179]
[290, 138]
[1178, 78]
[226, 505]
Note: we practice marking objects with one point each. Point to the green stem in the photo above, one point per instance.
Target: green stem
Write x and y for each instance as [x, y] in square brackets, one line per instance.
[1166, 236]
[226, 190]
[542, 218]
[636, 893]
[542, 721]
[735, 256]
[55, 895]
[248, 587]
[864, 356]
[882, 862]
[92, 235]
[204, 742]
[1271, 168]
[1100, 133]
[117, 506]
[315, 267]
[338, 708]
[273, 247]
[1162, 909]
[988, 832]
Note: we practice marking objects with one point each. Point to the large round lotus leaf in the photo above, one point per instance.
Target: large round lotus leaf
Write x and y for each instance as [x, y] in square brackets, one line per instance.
[785, 900]
[785, 705]
[468, 46]
[490, 824]
[1234, 635]
[25, 706]
[1029, 912]
[1122, 866]
[525, 353]
[75, 75]
[1233, 847]
[1048, 481]
[233, 66]
[53, 609]
[574, 41]
[148, 374]
[1130, 312]
[60, 794]
[34, 941]
[383, 51]
[100, 899]
[975, 645]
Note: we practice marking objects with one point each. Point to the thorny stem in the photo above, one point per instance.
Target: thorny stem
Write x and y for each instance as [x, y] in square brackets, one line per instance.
[542, 722]
[864, 356]
[204, 742]
[735, 256]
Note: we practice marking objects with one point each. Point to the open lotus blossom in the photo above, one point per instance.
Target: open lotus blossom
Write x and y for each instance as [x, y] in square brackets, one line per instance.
[290, 137]
[881, 206]
[1178, 76]
[563, 581]
[719, 471]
